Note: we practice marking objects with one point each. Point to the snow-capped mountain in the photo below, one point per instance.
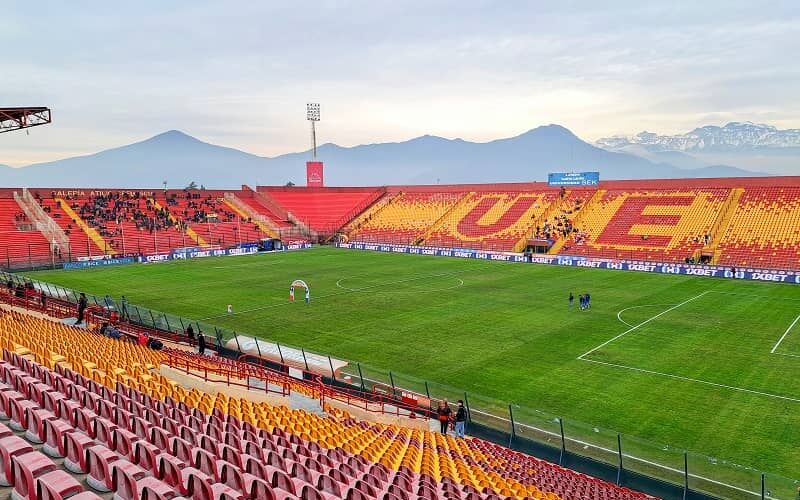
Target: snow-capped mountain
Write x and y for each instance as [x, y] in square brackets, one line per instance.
[710, 138]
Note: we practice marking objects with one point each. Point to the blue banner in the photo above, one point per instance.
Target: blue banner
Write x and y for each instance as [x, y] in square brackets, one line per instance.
[113, 261]
[573, 178]
[566, 260]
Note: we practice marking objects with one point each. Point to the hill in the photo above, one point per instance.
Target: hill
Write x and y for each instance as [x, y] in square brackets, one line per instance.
[178, 158]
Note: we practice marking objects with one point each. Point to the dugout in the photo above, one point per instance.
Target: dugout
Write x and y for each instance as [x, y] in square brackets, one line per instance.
[538, 245]
[270, 244]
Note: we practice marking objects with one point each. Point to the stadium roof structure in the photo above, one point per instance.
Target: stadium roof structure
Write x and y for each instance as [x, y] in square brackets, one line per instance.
[18, 118]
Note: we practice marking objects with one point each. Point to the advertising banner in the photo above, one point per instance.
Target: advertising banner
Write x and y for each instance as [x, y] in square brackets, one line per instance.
[573, 178]
[573, 261]
[113, 261]
[314, 174]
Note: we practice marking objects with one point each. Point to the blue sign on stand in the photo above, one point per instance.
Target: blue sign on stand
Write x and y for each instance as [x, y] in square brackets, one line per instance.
[573, 178]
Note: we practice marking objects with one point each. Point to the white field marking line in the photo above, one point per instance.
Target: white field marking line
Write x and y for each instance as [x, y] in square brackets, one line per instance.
[615, 452]
[775, 347]
[787, 354]
[696, 380]
[634, 328]
[619, 314]
[427, 290]
[755, 296]
[344, 291]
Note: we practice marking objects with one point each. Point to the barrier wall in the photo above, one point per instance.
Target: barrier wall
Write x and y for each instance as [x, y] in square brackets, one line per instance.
[578, 261]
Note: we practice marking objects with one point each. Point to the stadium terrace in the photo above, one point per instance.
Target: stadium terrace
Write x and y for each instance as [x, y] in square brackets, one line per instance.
[103, 396]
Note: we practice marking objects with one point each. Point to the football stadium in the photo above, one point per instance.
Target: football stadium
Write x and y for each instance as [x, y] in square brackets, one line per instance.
[587, 338]
[448, 317]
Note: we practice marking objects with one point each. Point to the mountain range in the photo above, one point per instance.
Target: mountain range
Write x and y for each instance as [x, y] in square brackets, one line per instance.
[733, 136]
[179, 159]
[743, 144]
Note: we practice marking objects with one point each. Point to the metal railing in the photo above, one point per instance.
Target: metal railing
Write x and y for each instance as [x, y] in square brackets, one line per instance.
[571, 443]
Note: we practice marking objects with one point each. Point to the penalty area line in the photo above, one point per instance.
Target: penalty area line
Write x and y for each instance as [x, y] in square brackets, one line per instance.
[695, 380]
[778, 343]
[634, 328]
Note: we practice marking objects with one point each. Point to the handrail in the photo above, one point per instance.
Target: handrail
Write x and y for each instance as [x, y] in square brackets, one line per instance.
[231, 376]
[43, 222]
[361, 207]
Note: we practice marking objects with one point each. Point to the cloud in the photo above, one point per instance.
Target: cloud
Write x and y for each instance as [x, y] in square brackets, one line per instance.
[239, 73]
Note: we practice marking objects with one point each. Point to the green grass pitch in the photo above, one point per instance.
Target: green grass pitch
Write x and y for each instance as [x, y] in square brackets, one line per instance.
[679, 360]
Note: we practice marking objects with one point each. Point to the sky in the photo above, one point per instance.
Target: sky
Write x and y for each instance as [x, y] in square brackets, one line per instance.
[239, 73]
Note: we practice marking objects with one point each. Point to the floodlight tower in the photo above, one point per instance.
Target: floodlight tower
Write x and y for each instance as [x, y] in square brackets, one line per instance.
[312, 115]
[314, 173]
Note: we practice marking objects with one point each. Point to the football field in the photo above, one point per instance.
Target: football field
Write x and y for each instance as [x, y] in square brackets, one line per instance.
[706, 365]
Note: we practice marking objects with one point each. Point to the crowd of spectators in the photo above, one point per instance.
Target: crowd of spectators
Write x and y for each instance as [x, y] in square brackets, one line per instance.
[108, 213]
[561, 225]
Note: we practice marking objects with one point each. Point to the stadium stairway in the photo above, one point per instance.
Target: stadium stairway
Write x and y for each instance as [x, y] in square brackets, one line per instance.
[587, 209]
[189, 231]
[90, 231]
[102, 409]
[324, 210]
[559, 206]
[81, 242]
[721, 227]
[244, 211]
[663, 225]
[491, 220]
[217, 225]
[444, 218]
[369, 213]
[406, 218]
[19, 245]
[764, 231]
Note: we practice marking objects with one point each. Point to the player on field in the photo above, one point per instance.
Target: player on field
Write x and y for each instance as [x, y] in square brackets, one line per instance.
[308, 295]
[571, 300]
[291, 294]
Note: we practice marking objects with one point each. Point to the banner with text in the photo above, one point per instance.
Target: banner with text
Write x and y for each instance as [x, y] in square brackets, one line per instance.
[197, 254]
[573, 178]
[566, 260]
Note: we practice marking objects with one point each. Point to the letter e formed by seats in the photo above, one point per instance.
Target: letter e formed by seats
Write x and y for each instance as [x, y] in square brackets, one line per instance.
[631, 213]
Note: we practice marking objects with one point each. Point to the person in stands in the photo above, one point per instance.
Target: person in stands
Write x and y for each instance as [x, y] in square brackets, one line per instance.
[201, 343]
[190, 332]
[142, 339]
[443, 413]
[461, 419]
[124, 308]
[82, 303]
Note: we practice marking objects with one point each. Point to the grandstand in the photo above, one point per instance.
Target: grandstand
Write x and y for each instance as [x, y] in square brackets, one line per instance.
[730, 222]
[87, 413]
[82, 408]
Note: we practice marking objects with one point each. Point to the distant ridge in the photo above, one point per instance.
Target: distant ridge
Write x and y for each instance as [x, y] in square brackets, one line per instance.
[179, 159]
